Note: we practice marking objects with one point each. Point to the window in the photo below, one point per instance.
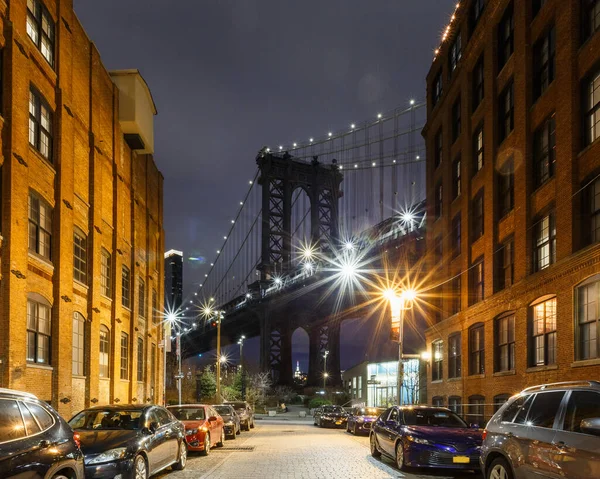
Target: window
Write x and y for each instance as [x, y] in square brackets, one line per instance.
[12, 426]
[40, 226]
[438, 200]
[437, 370]
[478, 91]
[142, 298]
[105, 274]
[80, 257]
[103, 370]
[40, 28]
[476, 410]
[504, 272]
[455, 53]
[456, 235]
[542, 343]
[39, 330]
[456, 181]
[499, 401]
[544, 409]
[543, 63]
[476, 349]
[439, 148]
[544, 151]
[154, 306]
[506, 187]
[438, 249]
[153, 368]
[454, 356]
[505, 342]
[456, 121]
[456, 294]
[125, 287]
[478, 149]
[78, 344]
[544, 246]
[475, 12]
[455, 404]
[588, 317]
[437, 88]
[591, 17]
[124, 356]
[477, 282]
[591, 207]
[40, 124]
[582, 405]
[506, 112]
[505, 38]
[592, 108]
[517, 410]
[437, 401]
[477, 212]
[537, 6]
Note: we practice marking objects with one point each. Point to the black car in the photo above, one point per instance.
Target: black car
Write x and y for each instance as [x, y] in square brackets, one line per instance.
[361, 419]
[130, 441]
[330, 416]
[231, 420]
[35, 441]
[244, 411]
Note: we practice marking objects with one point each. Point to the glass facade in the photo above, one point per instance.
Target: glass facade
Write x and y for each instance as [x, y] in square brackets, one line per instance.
[382, 383]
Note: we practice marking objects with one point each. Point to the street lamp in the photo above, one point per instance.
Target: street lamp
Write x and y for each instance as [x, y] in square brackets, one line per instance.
[325, 374]
[220, 315]
[243, 371]
[170, 320]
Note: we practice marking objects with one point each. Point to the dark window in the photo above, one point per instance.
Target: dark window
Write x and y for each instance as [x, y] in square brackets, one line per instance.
[40, 124]
[477, 283]
[439, 148]
[40, 226]
[544, 409]
[31, 426]
[78, 344]
[437, 89]
[140, 359]
[141, 298]
[438, 200]
[537, 6]
[456, 235]
[591, 17]
[506, 112]
[456, 178]
[478, 149]
[2, 81]
[11, 426]
[544, 242]
[438, 249]
[105, 273]
[592, 108]
[437, 370]
[505, 342]
[514, 408]
[476, 349]
[588, 317]
[477, 219]
[544, 151]
[455, 404]
[455, 53]
[476, 410]
[478, 91]
[505, 265]
[153, 368]
[475, 13]
[456, 294]
[40, 28]
[80, 257]
[582, 405]
[154, 306]
[542, 343]
[39, 332]
[104, 355]
[125, 286]
[437, 401]
[506, 190]
[505, 37]
[454, 356]
[591, 209]
[499, 401]
[124, 356]
[543, 63]
[456, 121]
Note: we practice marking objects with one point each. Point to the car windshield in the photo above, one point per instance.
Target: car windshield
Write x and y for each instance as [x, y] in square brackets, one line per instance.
[238, 405]
[432, 417]
[94, 419]
[188, 413]
[332, 410]
[223, 410]
[370, 411]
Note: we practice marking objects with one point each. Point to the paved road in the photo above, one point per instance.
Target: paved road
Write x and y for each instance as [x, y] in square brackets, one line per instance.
[276, 450]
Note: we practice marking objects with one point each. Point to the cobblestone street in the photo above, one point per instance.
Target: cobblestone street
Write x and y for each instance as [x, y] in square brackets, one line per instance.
[280, 450]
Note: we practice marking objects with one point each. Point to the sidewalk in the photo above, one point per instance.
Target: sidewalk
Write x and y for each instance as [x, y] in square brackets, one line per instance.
[292, 416]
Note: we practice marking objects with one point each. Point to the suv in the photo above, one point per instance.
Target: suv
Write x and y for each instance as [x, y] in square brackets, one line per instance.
[35, 441]
[243, 409]
[551, 431]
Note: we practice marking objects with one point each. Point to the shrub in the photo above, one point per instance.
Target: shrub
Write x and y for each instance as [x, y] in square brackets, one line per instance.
[317, 402]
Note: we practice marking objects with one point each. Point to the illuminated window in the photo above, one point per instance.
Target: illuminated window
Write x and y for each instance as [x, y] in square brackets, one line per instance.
[40, 226]
[39, 330]
[40, 124]
[588, 317]
[542, 333]
[40, 28]
[104, 355]
[78, 344]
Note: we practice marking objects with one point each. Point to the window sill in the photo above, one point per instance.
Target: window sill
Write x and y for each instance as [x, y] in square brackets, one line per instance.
[77, 376]
[106, 297]
[81, 285]
[499, 374]
[40, 366]
[453, 380]
[582, 363]
[104, 379]
[536, 369]
[124, 380]
[476, 376]
[437, 381]
[42, 262]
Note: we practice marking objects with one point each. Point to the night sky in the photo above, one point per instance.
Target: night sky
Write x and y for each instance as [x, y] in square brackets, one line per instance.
[229, 76]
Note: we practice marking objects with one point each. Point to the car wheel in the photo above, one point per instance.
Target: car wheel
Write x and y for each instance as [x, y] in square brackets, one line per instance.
[373, 443]
[400, 456]
[247, 426]
[252, 424]
[347, 427]
[499, 469]
[207, 445]
[60, 475]
[139, 468]
[354, 431]
[320, 423]
[239, 431]
[181, 462]
[220, 443]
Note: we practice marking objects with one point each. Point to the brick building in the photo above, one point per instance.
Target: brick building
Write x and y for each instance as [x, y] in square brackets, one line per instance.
[513, 197]
[81, 222]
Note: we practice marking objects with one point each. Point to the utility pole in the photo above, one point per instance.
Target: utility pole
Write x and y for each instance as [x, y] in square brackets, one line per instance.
[325, 374]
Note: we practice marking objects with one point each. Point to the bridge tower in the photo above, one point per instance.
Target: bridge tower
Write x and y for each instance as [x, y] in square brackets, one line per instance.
[280, 176]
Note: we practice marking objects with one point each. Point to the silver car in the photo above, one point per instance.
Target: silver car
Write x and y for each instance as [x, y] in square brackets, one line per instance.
[549, 431]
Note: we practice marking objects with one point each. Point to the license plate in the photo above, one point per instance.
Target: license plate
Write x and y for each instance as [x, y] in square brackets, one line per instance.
[338, 422]
[460, 459]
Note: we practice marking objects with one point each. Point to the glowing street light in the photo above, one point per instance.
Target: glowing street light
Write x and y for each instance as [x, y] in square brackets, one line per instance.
[325, 373]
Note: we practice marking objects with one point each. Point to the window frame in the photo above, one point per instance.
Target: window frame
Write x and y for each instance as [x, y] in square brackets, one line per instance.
[104, 352]
[590, 20]
[42, 340]
[455, 404]
[438, 88]
[541, 241]
[506, 111]
[478, 209]
[437, 360]
[478, 149]
[142, 310]
[79, 345]
[439, 200]
[591, 118]
[506, 37]
[37, 16]
[477, 356]
[457, 235]
[544, 151]
[456, 297]
[106, 273]
[544, 69]
[477, 409]
[478, 79]
[505, 264]
[125, 287]
[455, 355]
[477, 286]
[42, 233]
[456, 177]
[456, 119]
[80, 265]
[547, 335]
[439, 147]
[506, 191]
[455, 53]
[39, 105]
[124, 365]
[591, 198]
[504, 345]
[592, 281]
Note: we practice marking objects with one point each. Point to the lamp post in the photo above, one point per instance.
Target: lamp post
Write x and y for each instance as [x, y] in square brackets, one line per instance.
[325, 374]
[242, 369]
[219, 359]
[179, 375]
[168, 323]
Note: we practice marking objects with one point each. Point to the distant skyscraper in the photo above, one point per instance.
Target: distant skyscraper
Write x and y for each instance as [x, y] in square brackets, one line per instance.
[173, 279]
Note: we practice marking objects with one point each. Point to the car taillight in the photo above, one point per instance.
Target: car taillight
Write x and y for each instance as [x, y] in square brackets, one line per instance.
[77, 439]
[484, 435]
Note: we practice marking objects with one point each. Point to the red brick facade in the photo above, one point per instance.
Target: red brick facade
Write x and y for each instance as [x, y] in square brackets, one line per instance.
[565, 191]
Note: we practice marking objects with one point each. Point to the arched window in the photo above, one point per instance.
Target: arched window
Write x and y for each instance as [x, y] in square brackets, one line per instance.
[542, 332]
[476, 349]
[437, 369]
[39, 329]
[104, 359]
[40, 226]
[124, 356]
[587, 315]
[504, 342]
[79, 256]
[78, 344]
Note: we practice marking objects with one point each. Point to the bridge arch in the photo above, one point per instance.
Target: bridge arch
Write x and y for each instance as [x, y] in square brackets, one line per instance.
[300, 351]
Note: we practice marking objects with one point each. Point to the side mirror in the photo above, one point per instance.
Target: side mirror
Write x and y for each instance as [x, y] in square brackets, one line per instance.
[474, 425]
[212, 418]
[590, 426]
[153, 427]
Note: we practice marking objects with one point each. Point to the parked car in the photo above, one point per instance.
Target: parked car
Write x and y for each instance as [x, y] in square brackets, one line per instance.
[204, 427]
[35, 441]
[423, 436]
[244, 411]
[231, 420]
[552, 430]
[360, 419]
[133, 441]
[332, 416]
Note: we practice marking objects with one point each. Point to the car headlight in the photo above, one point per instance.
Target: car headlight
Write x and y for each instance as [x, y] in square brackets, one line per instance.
[325, 416]
[109, 456]
[189, 432]
[229, 423]
[417, 440]
[360, 419]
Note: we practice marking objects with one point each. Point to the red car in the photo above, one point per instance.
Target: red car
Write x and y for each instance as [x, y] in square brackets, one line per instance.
[203, 426]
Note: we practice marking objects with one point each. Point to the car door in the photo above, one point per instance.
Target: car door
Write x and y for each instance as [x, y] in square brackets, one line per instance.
[577, 453]
[156, 442]
[387, 438]
[169, 428]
